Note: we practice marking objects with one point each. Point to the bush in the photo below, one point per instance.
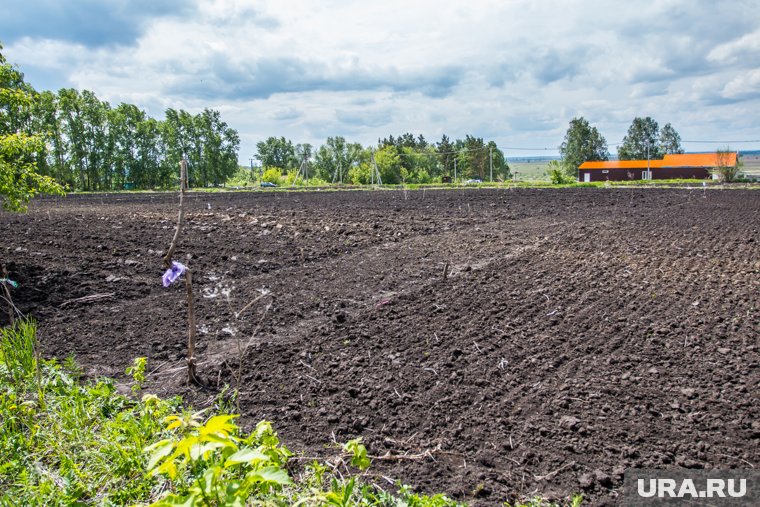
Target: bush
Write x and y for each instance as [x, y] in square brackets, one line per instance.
[272, 175]
[423, 177]
[726, 172]
[360, 174]
[558, 173]
[292, 177]
[317, 182]
[242, 178]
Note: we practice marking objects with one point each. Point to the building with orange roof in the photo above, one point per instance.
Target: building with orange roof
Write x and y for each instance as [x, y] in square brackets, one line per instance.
[686, 166]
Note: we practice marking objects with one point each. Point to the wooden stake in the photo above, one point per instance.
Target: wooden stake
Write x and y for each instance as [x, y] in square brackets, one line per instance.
[191, 377]
[190, 328]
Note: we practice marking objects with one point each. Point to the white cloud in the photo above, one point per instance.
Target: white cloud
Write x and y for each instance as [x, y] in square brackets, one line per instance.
[516, 71]
[746, 47]
[743, 86]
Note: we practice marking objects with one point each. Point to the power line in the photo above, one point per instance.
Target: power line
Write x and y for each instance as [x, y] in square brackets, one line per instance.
[465, 150]
[513, 148]
[724, 142]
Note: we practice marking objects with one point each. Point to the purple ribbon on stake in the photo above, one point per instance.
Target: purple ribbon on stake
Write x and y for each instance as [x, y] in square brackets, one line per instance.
[173, 273]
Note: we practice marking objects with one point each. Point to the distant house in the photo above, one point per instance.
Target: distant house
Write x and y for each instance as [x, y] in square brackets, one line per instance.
[689, 166]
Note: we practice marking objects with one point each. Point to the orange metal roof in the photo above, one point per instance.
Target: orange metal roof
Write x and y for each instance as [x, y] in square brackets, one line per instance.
[698, 160]
[687, 160]
[620, 164]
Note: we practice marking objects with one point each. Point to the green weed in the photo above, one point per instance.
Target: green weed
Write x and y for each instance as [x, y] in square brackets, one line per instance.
[137, 372]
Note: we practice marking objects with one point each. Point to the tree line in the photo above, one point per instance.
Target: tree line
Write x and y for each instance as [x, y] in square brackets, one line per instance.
[394, 160]
[86, 144]
[644, 140]
[90, 145]
[74, 139]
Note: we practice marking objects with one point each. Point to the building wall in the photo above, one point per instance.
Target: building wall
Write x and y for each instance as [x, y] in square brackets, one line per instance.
[658, 173]
[610, 174]
[672, 173]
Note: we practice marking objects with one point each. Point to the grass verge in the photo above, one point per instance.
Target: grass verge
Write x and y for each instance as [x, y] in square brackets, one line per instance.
[68, 442]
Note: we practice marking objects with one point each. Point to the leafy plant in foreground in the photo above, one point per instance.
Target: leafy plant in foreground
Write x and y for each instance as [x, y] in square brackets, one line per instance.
[208, 464]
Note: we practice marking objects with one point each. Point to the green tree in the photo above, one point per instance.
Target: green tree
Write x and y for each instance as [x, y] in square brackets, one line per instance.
[47, 123]
[582, 143]
[97, 163]
[273, 175]
[360, 174]
[72, 124]
[405, 140]
[642, 141]
[209, 144]
[445, 151]
[670, 140]
[127, 162]
[336, 157]
[277, 152]
[150, 150]
[389, 165]
[472, 158]
[218, 146]
[87, 145]
[20, 149]
[417, 165]
[500, 166]
[175, 138]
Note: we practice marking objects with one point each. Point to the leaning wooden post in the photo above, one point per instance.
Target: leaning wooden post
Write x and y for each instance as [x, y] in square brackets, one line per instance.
[170, 265]
[9, 300]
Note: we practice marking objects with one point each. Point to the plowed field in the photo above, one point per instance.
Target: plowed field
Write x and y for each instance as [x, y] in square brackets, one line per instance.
[504, 342]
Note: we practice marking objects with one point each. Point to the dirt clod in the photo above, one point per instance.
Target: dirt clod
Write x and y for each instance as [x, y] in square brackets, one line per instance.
[562, 347]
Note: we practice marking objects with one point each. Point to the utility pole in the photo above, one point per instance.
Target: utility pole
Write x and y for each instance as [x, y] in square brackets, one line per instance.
[490, 161]
[252, 175]
[183, 178]
[455, 171]
[375, 172]
[649, 171]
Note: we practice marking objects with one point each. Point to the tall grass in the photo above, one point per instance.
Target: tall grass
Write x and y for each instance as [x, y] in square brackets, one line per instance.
[17, 350]
[64, 442]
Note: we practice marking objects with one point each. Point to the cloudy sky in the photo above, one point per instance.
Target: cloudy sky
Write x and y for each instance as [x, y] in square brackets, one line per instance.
[511, 70]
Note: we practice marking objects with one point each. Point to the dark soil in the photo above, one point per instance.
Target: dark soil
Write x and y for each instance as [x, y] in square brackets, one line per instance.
[578, 332]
